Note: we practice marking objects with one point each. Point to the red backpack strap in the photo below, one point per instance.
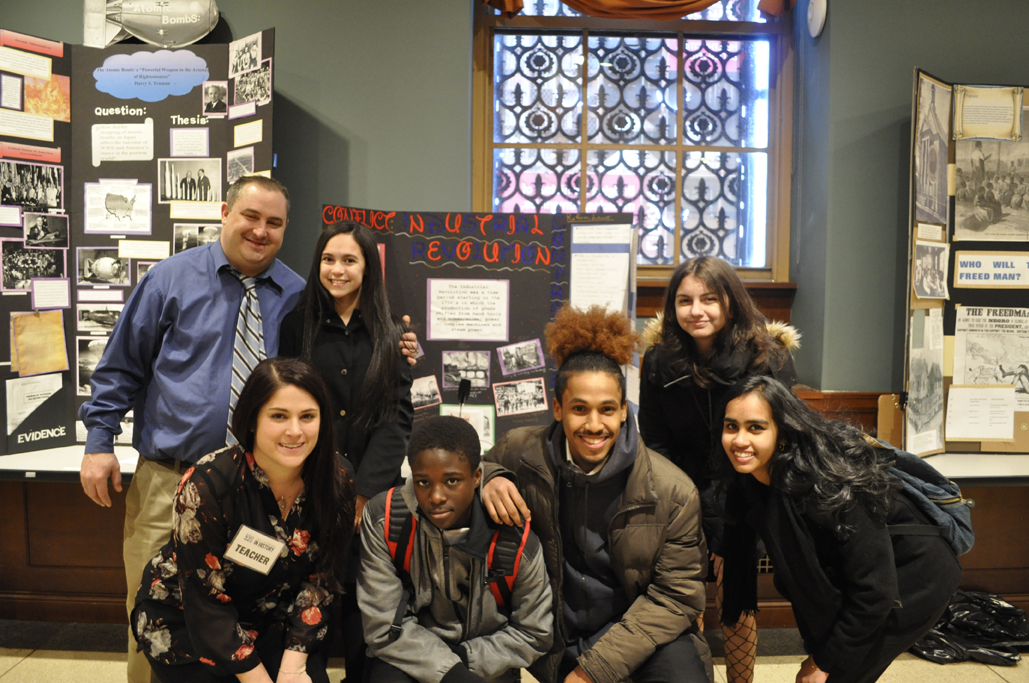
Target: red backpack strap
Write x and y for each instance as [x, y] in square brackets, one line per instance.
[399, 529]
[501, 578]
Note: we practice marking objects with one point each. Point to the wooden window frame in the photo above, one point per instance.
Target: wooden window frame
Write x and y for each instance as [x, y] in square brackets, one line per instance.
[780, 108]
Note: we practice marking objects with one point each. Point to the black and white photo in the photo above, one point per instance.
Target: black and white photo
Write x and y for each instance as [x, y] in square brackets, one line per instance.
[520, 357]
[470, 365]
[34, 187]
[189, 235]
[244, 54]
[94, 318]
[102, 266]
[189, 180]
[142, 268]
[90, 350]
[931, 151]
[479, 416]
[216, 98]
[425, 392]
[523, 396]
[254, 86]
[45, 230]
[924, 414]
[239, 162]
[991, 200]
[930, 276]
[20, 265]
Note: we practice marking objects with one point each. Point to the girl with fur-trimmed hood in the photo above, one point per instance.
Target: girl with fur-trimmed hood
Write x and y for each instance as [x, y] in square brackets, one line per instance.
[709, 336]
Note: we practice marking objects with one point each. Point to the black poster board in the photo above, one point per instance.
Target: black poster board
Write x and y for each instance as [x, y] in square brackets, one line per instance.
[528, 252]
[133, 126]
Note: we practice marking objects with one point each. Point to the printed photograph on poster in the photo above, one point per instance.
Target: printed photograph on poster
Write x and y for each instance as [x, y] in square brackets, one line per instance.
[45, 230]
[102, 266]
[216, 98]
[991, 201]
[255, 86]
[521, 356]
[20, 265]
[49, 97]
[991, 346]
[189, 180]
[98, 317]
[244, 54]
[90, 351]
[238, 163]
[933, 136]
[34, 187]
[425, 392]
[924, 414]
[142, 268]
[470, 365]
[987, 112]
[930, 277]
[478, 416]
[11, 88]
[118, 207]
[189, 235]
[523, 396]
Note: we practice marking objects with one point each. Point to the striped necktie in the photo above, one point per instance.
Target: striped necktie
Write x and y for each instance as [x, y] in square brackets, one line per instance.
[248, 349]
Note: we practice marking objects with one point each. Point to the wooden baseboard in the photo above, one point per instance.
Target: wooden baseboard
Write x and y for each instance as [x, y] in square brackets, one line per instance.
[86, 609]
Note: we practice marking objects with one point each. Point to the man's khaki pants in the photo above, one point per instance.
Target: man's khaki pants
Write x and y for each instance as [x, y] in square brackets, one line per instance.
[148, 526]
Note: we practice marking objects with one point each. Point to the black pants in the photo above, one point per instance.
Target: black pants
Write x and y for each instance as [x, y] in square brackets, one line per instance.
[687, 659]
[268, 647]
[378, 671]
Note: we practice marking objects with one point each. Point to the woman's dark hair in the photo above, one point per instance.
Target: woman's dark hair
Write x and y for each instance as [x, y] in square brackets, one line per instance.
[376, 405]
[825, 464]
[744, 323]
[448, 433]
[330, 496]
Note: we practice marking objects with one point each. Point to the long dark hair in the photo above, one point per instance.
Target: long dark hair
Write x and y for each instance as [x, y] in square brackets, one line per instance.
[744, 323]
[824, 464]
[377, 404]
[330, 496]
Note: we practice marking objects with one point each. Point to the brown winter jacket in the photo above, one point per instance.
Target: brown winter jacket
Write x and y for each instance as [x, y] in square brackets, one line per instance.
[656, 544]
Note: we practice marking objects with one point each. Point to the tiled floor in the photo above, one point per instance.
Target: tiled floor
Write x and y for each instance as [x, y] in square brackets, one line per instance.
[52, 666]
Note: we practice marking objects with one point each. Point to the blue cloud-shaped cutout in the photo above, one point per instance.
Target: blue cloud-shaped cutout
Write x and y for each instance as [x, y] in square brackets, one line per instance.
[151, 76]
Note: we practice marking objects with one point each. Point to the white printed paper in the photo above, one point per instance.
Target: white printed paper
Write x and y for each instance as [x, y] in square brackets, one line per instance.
[239, 111]
[197, 211]
[600, 266]
[118, 207]
[51, 293]
[248, 133]
[190, 142]
[123, 141]
[25, 63]
[10, 92]
[928, 231]
[21, 125]
[991, 347]
[100, 295]
[468, 310]
[987, 112]
[25, 394]
[999, 270]
[980, 413]
[254, 550]
[143, 249]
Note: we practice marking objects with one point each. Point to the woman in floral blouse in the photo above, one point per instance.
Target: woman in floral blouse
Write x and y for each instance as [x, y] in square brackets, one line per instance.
[258, 546]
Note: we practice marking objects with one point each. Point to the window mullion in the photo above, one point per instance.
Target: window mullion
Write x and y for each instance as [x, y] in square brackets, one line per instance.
[680, 146]
[583, 122]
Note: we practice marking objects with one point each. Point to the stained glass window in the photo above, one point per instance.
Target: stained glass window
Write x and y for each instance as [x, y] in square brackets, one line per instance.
[674, 127]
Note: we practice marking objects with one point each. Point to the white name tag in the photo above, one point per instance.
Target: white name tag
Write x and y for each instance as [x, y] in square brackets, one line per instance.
[254, 550]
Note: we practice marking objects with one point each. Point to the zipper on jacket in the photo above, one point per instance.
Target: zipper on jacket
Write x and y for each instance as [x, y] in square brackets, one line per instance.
[446, 569]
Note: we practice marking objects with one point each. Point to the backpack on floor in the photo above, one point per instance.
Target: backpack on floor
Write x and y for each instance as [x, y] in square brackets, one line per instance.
[503, 557]
[935, 496]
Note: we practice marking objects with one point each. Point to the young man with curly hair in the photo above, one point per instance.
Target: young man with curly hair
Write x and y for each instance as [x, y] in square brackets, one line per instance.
[619, 524]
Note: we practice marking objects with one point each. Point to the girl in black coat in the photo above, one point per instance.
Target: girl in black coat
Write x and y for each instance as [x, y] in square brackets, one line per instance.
[342, 325]
[823, 501]
[711, 335]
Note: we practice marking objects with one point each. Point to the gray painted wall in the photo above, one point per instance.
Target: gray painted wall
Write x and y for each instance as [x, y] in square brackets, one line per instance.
[850, 208]
[373, 99]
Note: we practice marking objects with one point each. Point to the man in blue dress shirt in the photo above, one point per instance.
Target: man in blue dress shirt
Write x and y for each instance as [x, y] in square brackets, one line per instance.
[169, 359]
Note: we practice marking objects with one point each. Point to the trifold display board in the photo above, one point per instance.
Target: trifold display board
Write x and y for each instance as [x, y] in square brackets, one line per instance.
[480, 289]
[967, 361]
[110, 160]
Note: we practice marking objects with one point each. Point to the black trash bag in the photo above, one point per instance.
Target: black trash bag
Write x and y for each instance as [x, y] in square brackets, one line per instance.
[939, 647]
[977, 626]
